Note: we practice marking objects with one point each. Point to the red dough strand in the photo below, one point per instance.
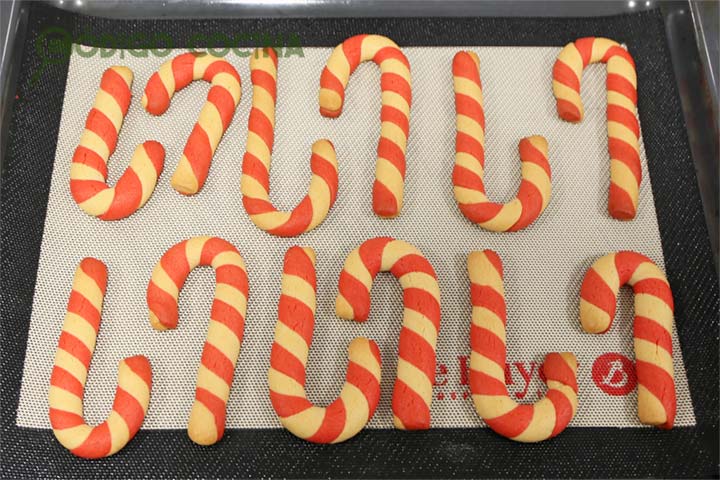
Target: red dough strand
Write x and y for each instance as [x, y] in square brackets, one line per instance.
[523, 423]
[421, 319]
[255, 183]
[652, 326]
[215, 116]
[623, 127]
[88, 171]
[355, 406]
[225, 330]
[72, 362]
[468, 185]
[395, 84]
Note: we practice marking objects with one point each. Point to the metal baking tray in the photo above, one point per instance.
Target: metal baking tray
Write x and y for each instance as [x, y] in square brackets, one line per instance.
[691, 29]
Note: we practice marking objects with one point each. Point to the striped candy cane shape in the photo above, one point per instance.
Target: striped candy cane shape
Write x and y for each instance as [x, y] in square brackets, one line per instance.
[255, 182]
[355, 406]
[523, 423]
[468, 186]
[421, 319]
[72, 361]
[652, 326]
[215, 116]
[395, 113]
[88, 170]
[623, 128]
[225, 331]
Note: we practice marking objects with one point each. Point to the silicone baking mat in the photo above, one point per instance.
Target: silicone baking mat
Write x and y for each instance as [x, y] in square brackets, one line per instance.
[544, 264]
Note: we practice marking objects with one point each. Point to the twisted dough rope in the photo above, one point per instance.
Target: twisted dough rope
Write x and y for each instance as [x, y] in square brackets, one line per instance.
[255, 182]
[72, 361]
[652, 326]
[468, 186]
[623, 128]
[355, 406]
[523, 423]
[421, 319]
[215, 116]
[395, 113]
[88, 171]
[225, 330]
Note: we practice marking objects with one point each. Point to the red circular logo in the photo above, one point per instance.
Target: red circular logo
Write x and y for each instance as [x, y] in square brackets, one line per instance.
[614, 374]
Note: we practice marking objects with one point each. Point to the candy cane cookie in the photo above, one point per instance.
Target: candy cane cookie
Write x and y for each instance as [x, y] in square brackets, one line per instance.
[623, 128]
[72, 361]
[255, 182]
[421, 319]
[355, 406]
[523, 423]
[395, 112]
[88, 170]
[225, 330]
[215, 116]
[468, 185]
[652, 327]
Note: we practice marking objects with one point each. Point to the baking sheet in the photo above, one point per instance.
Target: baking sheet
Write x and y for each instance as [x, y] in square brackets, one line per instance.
[544, 264]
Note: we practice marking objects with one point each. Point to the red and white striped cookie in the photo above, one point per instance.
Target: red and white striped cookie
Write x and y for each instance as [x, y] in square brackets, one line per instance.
[421, 319]
[623, 127]
[72, 361]
[395, 83]
[225, 330]
[255, 182]
[523, 423]
[88, 171]
[355, 406]
[468, 185]
[652, 328]
[215, 116]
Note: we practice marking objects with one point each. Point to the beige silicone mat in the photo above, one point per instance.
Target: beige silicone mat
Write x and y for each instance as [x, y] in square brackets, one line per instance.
[544, 264]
